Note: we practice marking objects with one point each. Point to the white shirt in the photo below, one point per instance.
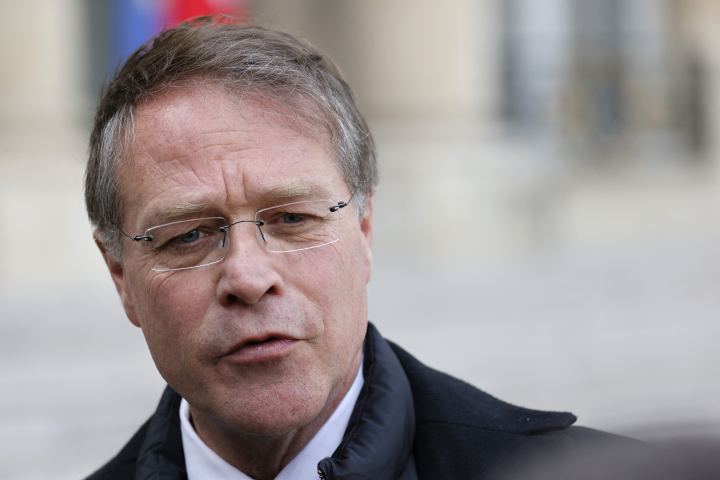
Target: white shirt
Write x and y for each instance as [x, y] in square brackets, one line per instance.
[204, 464]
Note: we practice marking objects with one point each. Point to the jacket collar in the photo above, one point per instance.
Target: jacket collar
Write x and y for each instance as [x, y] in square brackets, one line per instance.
[161, 455]
[378, 441]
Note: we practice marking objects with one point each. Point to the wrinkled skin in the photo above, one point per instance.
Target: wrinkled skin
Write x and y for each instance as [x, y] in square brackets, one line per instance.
[200, 153]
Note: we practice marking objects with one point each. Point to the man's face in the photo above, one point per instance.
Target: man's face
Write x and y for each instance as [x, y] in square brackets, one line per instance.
[199, 153]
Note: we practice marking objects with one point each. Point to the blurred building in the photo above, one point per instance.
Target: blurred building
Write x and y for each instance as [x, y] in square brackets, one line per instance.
[607, 77]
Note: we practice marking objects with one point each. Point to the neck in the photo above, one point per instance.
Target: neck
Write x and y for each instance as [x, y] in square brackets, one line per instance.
[262, 457]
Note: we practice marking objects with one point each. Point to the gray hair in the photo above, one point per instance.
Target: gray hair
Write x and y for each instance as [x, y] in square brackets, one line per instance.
[270, 65]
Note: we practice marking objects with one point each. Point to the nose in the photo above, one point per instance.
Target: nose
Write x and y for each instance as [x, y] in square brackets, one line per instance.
[248, 270]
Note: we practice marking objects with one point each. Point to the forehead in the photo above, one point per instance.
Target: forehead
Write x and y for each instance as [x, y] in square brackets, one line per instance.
[201, 146]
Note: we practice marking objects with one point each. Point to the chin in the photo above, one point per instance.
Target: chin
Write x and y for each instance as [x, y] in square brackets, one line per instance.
[273, 409]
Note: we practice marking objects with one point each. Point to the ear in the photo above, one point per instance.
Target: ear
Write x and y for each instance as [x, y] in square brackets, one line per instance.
[366, 229]
[117, 272]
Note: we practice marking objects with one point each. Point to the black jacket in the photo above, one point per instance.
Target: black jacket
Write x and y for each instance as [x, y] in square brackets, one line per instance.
[409, 422]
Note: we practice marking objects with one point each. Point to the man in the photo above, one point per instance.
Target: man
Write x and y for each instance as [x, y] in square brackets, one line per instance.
[230, 180]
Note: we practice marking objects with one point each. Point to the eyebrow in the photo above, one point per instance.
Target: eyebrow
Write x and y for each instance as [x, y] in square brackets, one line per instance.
[296, 190]
[182, 208]
[175, 210]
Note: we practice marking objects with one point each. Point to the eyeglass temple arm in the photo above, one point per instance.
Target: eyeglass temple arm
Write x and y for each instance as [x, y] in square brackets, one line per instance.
[136, 238]
[340, 205]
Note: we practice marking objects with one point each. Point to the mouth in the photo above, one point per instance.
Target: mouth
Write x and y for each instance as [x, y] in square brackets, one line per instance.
[258, 342]
[262, 349]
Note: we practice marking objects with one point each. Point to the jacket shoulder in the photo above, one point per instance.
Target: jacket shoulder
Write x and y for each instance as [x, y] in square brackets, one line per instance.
[155, 451]
[440, 398]
[589, 437]
[122, 467]
[462, 432]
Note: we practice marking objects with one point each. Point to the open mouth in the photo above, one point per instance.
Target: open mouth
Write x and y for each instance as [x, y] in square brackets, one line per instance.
[258, 342]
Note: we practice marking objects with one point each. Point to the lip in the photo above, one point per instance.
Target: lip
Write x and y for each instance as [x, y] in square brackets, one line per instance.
[268, 347]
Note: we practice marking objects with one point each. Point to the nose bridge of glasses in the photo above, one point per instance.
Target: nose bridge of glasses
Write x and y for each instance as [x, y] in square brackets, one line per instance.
[256, 227]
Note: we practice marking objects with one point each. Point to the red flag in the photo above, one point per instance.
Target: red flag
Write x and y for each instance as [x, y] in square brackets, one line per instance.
[180, 10]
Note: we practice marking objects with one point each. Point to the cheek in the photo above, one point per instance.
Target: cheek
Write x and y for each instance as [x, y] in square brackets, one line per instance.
[171, 311]
[324, 275]
[333, 277]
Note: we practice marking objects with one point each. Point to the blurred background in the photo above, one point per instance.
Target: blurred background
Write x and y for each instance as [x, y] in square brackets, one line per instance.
[547, 227]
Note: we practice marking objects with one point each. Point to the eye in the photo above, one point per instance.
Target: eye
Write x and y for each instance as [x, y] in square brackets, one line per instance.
[292, 217]
[191, 236]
